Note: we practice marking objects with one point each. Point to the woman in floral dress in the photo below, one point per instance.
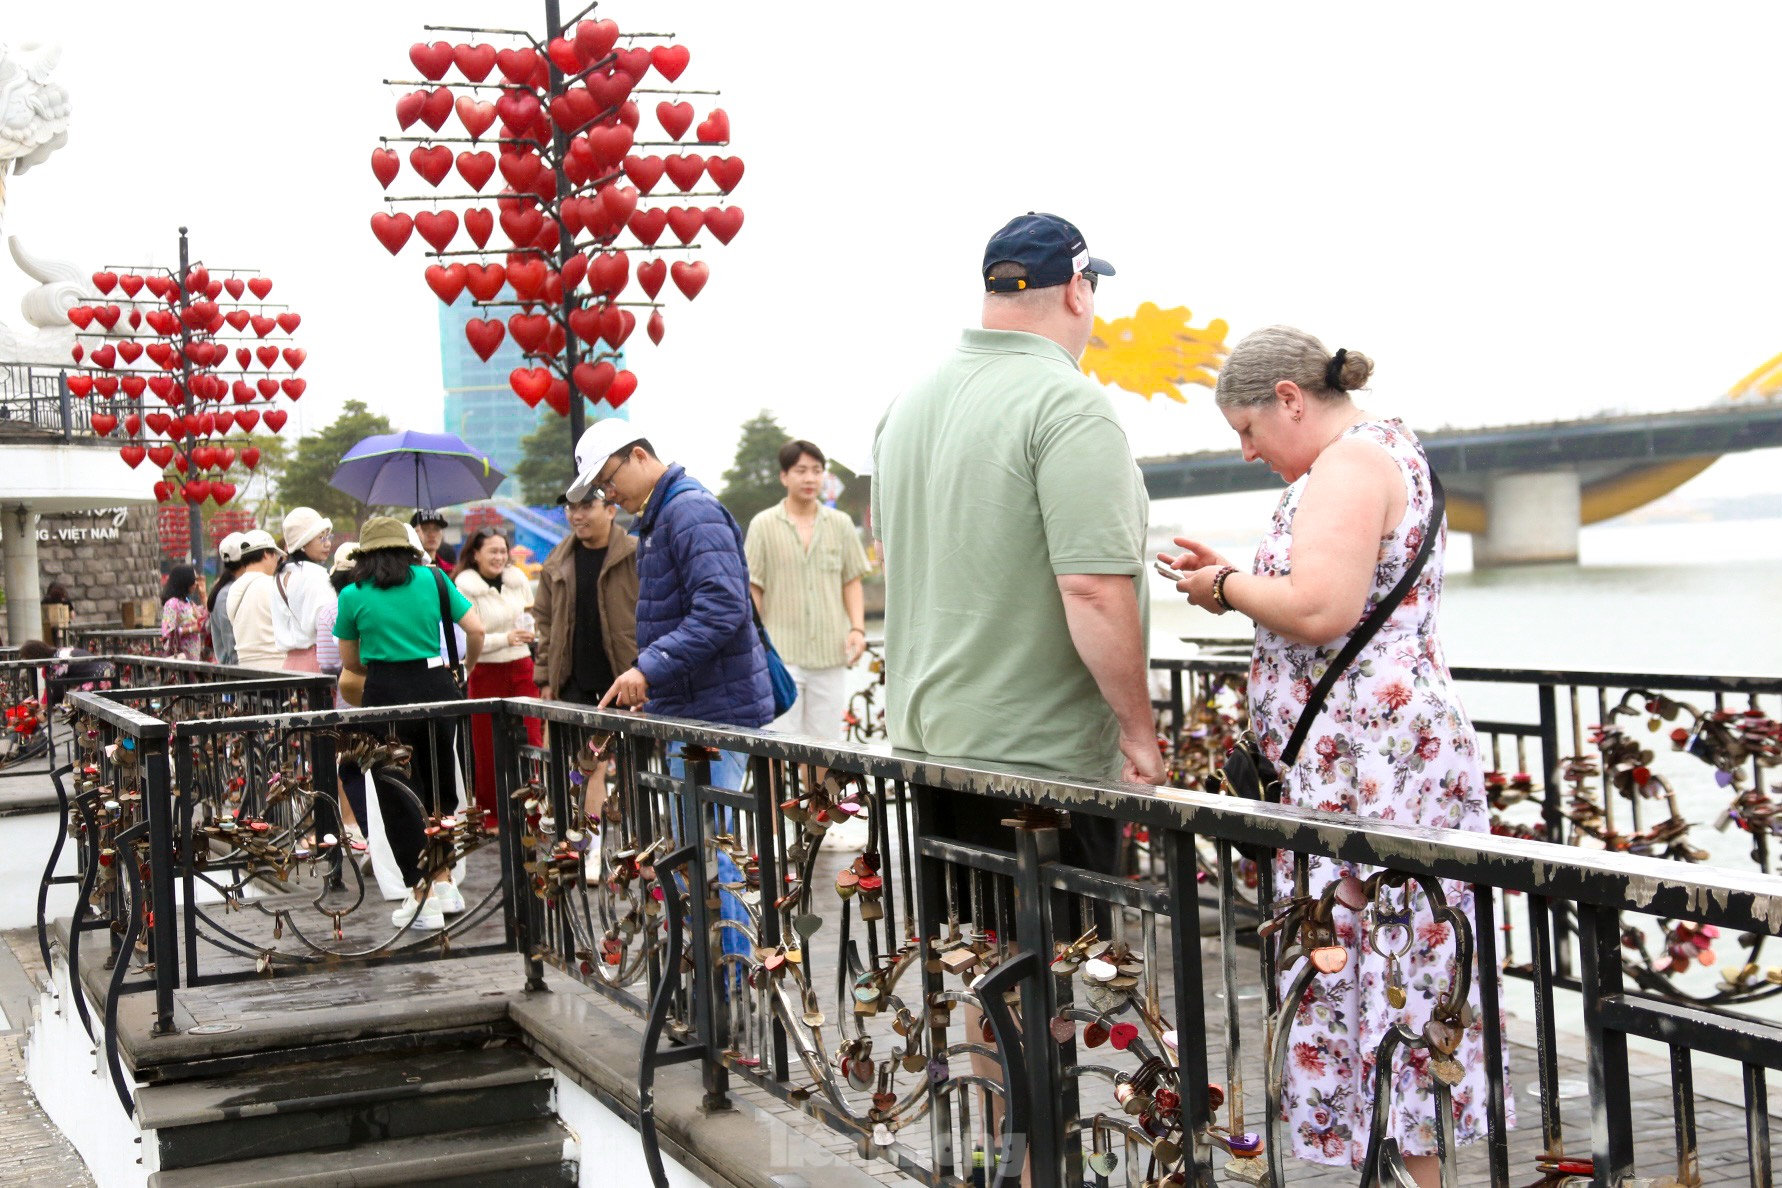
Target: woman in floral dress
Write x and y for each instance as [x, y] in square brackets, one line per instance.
[1391, 742]
[182, 614]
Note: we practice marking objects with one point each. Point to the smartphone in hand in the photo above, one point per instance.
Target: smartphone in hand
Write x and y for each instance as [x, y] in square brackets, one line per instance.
[1167, 572]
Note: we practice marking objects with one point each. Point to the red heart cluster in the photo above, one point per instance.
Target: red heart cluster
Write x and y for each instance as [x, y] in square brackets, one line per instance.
[561, 133]
[174, 344]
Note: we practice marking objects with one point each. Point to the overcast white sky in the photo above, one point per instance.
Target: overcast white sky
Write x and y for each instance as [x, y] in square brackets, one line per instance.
[1521, 211]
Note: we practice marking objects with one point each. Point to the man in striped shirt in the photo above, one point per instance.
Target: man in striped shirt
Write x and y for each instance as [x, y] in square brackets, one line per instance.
[805, 566]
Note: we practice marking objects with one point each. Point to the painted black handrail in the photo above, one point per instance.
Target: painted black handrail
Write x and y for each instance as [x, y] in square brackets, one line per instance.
[121, 970]
[1017, 1113]
[649, 1057]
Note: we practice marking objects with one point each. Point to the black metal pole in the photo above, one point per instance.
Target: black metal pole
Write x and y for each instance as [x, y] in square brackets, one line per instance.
[196, 523]
[565, 243]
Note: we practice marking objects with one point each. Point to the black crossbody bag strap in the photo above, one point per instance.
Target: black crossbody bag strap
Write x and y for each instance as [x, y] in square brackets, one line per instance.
[1369, 626]
[445, 617]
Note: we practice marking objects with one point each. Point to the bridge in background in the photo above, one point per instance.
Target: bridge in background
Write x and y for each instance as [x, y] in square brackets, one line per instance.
[1524, 490]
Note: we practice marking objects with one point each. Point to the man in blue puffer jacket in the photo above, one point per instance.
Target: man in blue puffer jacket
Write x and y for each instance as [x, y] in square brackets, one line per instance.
[698, 653]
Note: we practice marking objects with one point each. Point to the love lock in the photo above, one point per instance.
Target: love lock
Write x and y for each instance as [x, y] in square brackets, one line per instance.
[1102, 1160]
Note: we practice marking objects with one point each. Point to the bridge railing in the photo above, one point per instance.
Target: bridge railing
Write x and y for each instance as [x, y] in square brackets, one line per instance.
[35, 399]
[956, 992]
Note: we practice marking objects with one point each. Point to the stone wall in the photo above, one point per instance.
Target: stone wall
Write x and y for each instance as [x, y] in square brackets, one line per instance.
[103, 558]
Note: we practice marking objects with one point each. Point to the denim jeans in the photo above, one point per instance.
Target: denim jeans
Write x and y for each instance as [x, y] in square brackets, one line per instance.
[728, 771]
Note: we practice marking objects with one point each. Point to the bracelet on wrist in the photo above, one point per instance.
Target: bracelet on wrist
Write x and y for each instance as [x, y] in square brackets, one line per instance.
[853, 630]
[1219, 586]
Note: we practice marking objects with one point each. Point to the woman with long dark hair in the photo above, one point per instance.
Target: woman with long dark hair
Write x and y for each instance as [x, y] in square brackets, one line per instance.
[503, 599]
[183, 613]
[388, 625]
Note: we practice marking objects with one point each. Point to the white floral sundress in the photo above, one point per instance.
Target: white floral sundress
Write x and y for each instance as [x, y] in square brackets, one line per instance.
[1391, 742]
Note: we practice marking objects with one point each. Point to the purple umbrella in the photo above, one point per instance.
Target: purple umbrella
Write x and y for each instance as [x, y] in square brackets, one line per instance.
[411, 469]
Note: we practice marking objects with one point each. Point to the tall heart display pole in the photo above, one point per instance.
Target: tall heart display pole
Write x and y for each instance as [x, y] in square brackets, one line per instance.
[180, 314]
[563, 120]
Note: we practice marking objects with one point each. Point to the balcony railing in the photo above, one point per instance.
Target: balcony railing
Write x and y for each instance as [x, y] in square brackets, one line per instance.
[35, 404]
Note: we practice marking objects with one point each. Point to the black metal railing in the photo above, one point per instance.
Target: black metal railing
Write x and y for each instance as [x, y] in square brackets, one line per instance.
[120, 641]
[961, 999]
[35, 399]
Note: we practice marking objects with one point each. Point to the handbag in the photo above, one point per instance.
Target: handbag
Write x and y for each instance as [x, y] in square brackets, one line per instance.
[453, 664]
[785, 689]
[1247, 771]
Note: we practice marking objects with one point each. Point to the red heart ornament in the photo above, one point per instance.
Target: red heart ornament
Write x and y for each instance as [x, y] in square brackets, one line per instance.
[81, 315]
[530, 384]
[479, 223]
[530, 331]
[161, 455]
[130, 283]
[106, 385]
[608, 273]
[268, 387]
[107, 315]
[235, 287]
[474, 61]
[477, 117]
[585, 323]
[484, 281]
[689, 278]
[431, 60]
[476, 168]
[609, 90]
[656, 326]
[624, 384]
[103, 423]
[685, 222]
[447, 281]
[288, 322]
[247, 418]
[250, 457]
[197, 490]
[275, 419]
[129, 350]
[715, 128]
[644, 172]
[436, 108]
[574, 269]
[163, 492]
[724, 221]
[293, 388]
[392, 230]
[159, 422]
[259, 286]
[222, 492]
[81, 385]
[237, 318]
[684, 170]
[431, 163]
[593, 379]
[268, 355]
[521, 226]
[572, 110]
[670, 60]
[484, 335]
[516, 65]
[610, 143]
[675, 118]
[262, 325]
[105, 282]
[725, 172]
[225, 421]
[651, 274]
[594, 40]
[634, 61]
[408, 108]
[385, 165]
[437, 227]
[158, 285]
[134, 385]
[618, 203]
[133, 455]
[527, 276]
[294, 357]
[558, 397]
[616, 326]
[562, 54]
[105, 356]
[520, 169]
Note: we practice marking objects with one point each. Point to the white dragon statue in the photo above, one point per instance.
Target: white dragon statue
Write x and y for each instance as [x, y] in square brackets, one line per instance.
[33, 124]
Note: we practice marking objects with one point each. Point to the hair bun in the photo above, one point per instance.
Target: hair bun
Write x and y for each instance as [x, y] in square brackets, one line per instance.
[1348, 370]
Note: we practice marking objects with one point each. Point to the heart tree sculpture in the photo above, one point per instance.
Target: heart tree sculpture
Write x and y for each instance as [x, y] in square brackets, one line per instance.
[179, 360]
[577, 197]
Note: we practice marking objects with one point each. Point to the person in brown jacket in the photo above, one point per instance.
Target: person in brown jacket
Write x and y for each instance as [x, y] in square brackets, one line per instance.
[585, 615]
[585, 607]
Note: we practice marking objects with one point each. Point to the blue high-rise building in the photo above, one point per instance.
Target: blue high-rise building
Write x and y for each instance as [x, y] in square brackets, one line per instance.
[480, 407]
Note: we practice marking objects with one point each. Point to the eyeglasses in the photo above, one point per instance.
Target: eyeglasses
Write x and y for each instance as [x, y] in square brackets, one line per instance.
[1092, 277]
[603, 487]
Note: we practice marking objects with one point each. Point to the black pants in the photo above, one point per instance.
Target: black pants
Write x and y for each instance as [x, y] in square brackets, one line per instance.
[412, 682]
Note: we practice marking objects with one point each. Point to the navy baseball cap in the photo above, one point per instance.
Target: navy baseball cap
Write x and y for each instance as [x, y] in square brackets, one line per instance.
[1050, 248]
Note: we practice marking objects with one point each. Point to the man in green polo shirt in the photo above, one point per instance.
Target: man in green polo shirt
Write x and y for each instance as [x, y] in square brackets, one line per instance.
[1013, 522]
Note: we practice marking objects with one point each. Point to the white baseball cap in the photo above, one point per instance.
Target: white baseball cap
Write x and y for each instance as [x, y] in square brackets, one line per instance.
[254, 540]
[229, 548]
[600, 441]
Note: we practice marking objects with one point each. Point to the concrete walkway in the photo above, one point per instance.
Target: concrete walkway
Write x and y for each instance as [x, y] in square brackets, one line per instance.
[32, 1150]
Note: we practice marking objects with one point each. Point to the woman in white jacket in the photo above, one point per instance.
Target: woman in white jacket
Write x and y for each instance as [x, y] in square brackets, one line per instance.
[503, 598]
[303, 588]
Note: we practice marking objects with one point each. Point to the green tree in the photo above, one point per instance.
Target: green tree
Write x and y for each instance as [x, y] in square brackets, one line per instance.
[752, 484]
[547, 462]
[304, 482]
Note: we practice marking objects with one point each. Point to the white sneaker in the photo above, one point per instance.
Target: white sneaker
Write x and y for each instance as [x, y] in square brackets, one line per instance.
[448, 897]
[426, 916]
